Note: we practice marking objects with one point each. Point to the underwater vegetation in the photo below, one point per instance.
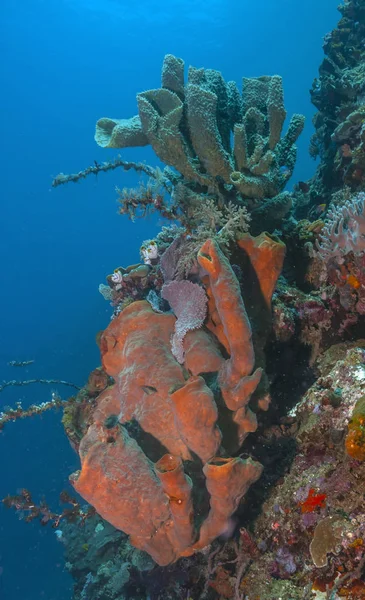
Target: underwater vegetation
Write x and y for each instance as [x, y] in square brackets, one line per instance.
[222, 439]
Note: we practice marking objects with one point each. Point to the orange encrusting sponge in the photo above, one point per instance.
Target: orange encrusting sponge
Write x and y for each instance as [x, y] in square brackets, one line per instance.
[355, 439]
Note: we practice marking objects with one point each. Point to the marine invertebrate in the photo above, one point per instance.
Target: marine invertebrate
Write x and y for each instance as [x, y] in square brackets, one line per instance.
[97, 168]
[355, 439]
[20, 363]
[327, 537]
[132, 283]
[153, 195]
[253, 165]
[227, 480]
[188, 300]
[223, 147]
[236, 377]
[313, 501]
[177, 486]
[9, 414]
[341, 255]
[117, 277]
[149, 252]
[149, 500]
[224, 224]
[29, 510]
[22, 383]
[344, 230]
[182, 420]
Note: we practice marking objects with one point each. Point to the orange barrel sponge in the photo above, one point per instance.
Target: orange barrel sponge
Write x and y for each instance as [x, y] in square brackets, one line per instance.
[355, 439]
[120, 482]
[266, 254]
[177, 487]
[227, 480]
[136, 351]
[230, 307]
[196, 417]
[236, 379]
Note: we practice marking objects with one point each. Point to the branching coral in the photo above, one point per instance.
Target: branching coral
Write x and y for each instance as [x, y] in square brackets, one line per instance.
[224, 225]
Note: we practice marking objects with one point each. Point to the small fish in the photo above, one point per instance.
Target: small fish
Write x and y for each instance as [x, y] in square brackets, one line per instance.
[303, 186]
[285, 172]
[318, 210]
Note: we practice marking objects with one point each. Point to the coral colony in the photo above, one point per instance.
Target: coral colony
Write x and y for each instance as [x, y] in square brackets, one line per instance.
[222, 439]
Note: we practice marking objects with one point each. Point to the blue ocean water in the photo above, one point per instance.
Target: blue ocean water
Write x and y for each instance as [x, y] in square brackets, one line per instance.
[64, 64]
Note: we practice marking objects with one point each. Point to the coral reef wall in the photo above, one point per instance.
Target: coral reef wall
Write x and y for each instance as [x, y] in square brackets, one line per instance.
[339, 95]
[226, 393]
